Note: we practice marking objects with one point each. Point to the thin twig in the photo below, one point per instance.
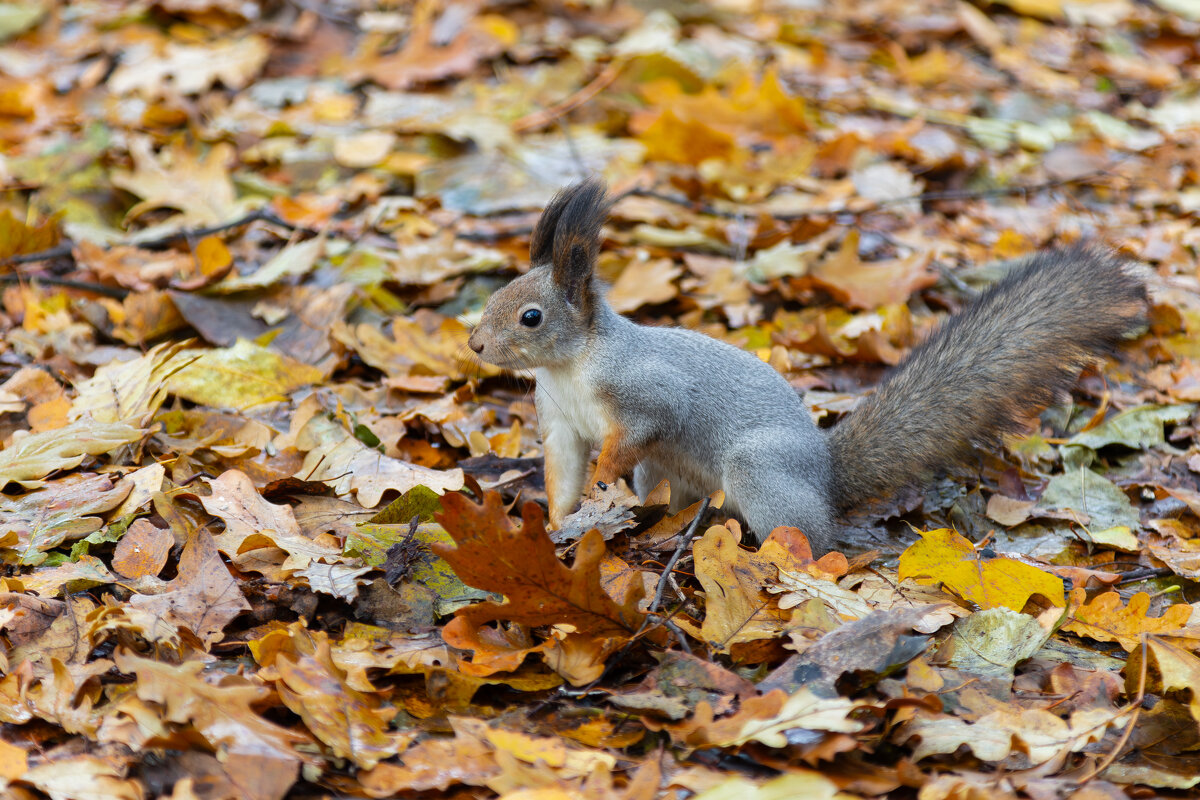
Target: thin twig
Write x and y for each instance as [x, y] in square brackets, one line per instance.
[543, 118]
[1136, 707]
[67, 248]
[683, 545]
[85, 286]
[925, 197]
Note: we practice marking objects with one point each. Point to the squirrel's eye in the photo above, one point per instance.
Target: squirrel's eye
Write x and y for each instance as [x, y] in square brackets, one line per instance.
[531, 318]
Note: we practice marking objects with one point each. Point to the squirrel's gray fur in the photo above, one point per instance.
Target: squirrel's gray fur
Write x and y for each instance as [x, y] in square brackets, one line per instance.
[673, 404]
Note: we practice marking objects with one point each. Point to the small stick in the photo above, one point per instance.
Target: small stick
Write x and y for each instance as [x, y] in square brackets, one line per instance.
[683, 544]
[67, 248]
[1136, 707]
[540, 119]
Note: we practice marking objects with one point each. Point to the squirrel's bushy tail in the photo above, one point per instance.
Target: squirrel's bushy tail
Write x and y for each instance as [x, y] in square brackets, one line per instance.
[984, 372]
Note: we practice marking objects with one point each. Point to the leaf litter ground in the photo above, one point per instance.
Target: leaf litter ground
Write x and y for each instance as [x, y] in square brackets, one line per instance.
[267, 531]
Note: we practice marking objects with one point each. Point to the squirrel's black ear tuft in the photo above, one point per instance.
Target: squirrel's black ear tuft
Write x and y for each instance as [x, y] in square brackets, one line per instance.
[541, 244]
[577, 236]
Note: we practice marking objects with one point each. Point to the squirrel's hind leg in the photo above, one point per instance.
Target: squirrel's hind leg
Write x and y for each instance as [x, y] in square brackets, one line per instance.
[767, 485]
[649, 473]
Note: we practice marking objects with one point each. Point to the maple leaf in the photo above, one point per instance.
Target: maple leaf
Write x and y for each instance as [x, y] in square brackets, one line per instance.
[496, 554]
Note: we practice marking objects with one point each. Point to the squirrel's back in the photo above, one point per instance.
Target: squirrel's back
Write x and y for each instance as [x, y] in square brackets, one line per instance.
[984, 372]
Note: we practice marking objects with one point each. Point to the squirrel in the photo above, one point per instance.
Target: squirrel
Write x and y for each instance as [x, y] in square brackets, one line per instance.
[674, 404]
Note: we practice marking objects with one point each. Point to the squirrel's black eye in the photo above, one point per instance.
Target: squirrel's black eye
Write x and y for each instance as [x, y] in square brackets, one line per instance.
[531, 318]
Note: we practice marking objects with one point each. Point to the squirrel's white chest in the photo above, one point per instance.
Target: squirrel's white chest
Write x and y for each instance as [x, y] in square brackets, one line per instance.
[566, 398]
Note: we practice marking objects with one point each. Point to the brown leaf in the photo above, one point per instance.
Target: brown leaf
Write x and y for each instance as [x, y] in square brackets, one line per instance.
[496, 554]
[868, 286]
[353, 724]
[142, 550]
[223, 714]
[251, 522]
[1105, 620]
[203, 597]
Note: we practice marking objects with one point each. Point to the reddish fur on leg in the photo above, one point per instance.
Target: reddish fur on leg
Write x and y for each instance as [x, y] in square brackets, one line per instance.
[616, 458]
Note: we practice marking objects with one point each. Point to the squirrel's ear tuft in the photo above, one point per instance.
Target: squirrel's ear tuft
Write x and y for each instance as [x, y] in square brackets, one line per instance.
[577, 236]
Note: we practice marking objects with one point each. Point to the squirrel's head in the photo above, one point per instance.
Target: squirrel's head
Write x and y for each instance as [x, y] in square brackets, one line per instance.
[546, 315]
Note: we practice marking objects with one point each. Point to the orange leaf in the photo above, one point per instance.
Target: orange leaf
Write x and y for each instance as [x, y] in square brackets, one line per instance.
[1105, 620]
[497, 554]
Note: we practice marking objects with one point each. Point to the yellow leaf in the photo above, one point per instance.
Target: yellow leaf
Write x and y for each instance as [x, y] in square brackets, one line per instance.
[212, 255]
[240, 376]
[670, 138]
[30, 458]
[943, 556]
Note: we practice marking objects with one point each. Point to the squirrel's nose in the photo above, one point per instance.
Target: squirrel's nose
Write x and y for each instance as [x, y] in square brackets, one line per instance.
[476, 346]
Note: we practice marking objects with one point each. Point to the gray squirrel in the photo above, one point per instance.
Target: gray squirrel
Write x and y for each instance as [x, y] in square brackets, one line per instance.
[674, 404]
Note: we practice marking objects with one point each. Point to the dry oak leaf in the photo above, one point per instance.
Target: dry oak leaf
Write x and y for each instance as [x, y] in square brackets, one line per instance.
[128, 390]
[434, 764]
[497, 554]
[737, 606]
[30, 458]
[643, 283]
[224, 715]
[189, 68]
[201, 189]
[943, 556]
[1168, 668]
[204, 597]
[868, 286]
[1105, 620]
[252, 523]
[351, 723]
[430, 54]
[766, 719]
[424, 345]
[336, 457]
[82, 777]
[1038, 734]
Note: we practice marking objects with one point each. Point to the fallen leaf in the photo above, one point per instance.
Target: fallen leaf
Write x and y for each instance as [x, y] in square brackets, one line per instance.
[199, 188]
[224, 715]
[495, 554]
[1104, 619]
[944, 557]
[31, 458]
[143, 550]
[203, 597]
[351, 723]
[251, 522]
[241, 376]
[334, 455]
